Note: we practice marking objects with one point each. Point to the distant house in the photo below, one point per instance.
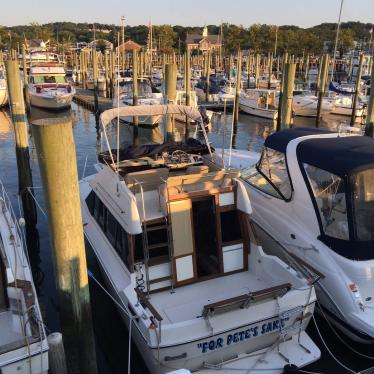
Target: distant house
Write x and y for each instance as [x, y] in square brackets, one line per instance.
[129, 46]
[203, 42]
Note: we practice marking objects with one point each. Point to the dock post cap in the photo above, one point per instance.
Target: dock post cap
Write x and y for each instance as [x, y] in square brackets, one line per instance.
[51, 121]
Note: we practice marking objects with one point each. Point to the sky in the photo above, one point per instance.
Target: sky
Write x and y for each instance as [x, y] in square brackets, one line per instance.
[303, 13]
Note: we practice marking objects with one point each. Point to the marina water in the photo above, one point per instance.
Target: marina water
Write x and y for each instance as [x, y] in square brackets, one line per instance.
[110, 333]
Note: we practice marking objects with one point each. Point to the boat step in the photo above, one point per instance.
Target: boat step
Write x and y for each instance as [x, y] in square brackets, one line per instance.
[158, 280]
[155, 228]
[158, 245]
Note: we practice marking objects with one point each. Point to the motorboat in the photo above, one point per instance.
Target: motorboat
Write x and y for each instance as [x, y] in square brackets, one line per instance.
[101, 81]
[170, 228]
[48, 87]
[23, 340]
[343, 105]
[259, 102]
[305, 104]
[312, 195]
[147, 95]
[3, 88]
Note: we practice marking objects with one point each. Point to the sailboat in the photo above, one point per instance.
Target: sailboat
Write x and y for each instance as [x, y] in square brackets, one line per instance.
[171, 230]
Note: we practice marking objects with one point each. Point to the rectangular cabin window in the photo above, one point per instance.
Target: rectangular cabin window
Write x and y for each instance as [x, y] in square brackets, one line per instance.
[230, 226]
[100, 213]
[90, 201]
[111, 227]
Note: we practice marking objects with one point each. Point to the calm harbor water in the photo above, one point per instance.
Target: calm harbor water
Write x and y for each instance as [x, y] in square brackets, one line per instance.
[111, 335]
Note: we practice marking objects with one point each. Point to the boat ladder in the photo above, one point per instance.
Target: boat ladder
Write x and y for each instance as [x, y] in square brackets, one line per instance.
[146, 229]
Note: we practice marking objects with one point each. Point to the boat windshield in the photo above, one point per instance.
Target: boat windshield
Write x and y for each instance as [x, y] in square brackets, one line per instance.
[363, 204]
[40, 79]
[330, 195]
[144, 89]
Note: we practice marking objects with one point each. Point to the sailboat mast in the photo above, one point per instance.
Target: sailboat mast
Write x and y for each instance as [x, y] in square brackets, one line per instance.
[336, 40]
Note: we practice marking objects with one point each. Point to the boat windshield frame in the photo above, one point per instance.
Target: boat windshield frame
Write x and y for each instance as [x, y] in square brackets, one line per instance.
[352, 246]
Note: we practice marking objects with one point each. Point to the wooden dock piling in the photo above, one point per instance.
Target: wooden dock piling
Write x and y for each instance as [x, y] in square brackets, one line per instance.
[324, 75]
[170, 93]
[237, 88]
[357, 89]
[55, 149]
[369, 128]
[287, 95]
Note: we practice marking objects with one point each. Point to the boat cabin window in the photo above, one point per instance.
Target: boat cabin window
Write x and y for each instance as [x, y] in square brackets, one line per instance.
[40, 79]
[144, 88]
[114, 232]
[330, 195]
[363, 204]
[270, 175]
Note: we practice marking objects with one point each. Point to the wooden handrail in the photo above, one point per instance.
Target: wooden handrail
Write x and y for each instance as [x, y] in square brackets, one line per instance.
[143, 300]
[243, 301]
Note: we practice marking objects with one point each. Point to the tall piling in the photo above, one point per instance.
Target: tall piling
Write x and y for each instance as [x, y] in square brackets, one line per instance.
[170, 92]
[369, 125]
[18, 114]
[54, 142]
[257, 71]
[287, 96]
[237, 88]
[318, 81]
[95, 78]
[107, 80]
[270, 69]
[207, 75]
[187, 76]
[322, 87]
[25, 79]
[135, 92]
[357, 89]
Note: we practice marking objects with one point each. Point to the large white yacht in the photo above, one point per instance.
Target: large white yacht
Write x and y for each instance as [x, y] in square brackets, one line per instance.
[23, 341]
[48, 87]
[170, 229]
[313, 197]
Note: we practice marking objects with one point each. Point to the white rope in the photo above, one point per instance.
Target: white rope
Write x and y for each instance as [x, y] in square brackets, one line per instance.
[36, 201]
[329, 351]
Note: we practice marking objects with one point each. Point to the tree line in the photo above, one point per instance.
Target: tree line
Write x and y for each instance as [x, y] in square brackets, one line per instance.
[259, 38]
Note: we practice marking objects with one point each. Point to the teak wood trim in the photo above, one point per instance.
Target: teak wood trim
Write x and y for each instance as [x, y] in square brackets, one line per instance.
[245, 299]
[143, 300]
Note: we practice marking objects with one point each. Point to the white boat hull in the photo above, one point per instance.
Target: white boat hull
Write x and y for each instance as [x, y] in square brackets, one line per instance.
[258, 112]
[51, 102]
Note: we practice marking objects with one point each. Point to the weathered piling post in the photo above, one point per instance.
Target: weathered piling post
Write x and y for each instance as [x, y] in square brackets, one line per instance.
[95, 78]
[237, 88]
[369, 128]
[106, 67]
[56, 354]
[284, 62]
[257, 73]
[285, 100]
[270, 69]
[278, 65]
[112, 72]
[142, 64]
[324, 74]
[207, 75]
[25, 79]
[54, 142]
[18, 114]
[170, 93]
[249, 64]
[135, 92]
[318, 82]
[357, 90]
[306, 71]
[187, 75]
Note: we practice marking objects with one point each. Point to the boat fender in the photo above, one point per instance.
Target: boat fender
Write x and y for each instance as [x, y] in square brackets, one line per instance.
[290, 369]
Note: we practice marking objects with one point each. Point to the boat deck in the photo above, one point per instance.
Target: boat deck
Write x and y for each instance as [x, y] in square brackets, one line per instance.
[187, 302]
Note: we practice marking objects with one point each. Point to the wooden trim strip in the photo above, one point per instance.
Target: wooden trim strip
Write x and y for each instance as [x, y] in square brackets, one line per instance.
[143, 300]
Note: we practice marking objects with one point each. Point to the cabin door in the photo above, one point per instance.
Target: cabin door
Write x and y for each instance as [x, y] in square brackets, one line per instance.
[184, 263]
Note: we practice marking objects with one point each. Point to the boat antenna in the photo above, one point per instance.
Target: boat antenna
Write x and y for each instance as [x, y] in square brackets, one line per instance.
[336, 40]
[117, 107]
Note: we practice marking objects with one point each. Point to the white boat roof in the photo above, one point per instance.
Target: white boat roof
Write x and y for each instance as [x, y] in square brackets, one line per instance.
[47, 69]
[150, 110]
